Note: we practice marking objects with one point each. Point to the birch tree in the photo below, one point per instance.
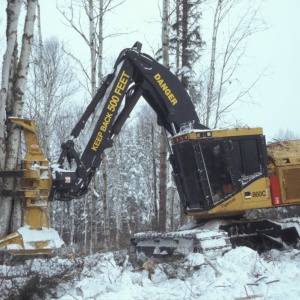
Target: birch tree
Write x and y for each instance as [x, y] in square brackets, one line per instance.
[52, 86]
[13, 14]
[15, 108]
[162, 141]
[166, 63]
[13, 145]
[92, 39]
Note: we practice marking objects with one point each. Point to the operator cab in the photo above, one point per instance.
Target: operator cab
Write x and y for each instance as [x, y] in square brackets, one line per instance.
[214, 165]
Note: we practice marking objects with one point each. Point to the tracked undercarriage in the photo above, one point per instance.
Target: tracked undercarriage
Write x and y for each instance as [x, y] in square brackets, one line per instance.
[180, 243]
[217, 237]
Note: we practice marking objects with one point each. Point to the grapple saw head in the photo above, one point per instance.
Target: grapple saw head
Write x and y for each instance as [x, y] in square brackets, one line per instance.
[35, 236]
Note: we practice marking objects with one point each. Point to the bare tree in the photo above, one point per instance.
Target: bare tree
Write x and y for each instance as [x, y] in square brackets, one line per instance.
[226, 57]
[52, 86]
[95, 12]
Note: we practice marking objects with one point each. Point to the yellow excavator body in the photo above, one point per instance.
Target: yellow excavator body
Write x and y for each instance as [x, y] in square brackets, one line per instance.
[258, 175]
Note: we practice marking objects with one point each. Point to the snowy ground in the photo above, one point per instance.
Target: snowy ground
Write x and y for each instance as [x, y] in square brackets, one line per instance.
[239, 274]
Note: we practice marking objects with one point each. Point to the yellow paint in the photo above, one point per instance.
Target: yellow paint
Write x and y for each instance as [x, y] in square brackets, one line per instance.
[164, 87]
[111, 108]
[260, 197]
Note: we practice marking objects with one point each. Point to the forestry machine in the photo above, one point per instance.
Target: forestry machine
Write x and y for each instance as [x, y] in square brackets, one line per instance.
[219, 174]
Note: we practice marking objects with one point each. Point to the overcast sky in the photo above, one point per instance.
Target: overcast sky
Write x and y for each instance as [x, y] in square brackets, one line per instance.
[276, 95]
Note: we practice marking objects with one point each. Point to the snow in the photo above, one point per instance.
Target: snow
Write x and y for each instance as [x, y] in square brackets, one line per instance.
[95, 193]
[246, 178]
[239, 274]
[32, 237]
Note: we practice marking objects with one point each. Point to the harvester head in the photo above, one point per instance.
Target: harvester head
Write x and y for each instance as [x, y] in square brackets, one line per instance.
[35, 236]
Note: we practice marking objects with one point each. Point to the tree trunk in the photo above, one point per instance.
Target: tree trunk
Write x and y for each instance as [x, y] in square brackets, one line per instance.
[117, 193]
[13, 131]
[212, 70]
[100, 47]
[14, 135]
[178, 34]
[105, 205]
[163, 145]
[92, 47]
[154, 181]
[47, 104]
[162, 181]
[95, 183]
[184, 46]
[13, 13]
[165, 34]
[85, 233]
[72, 216]
[118, 220]
[46, 100]
[94, 209]
[62, 218]
[172, 198]
[104, 162]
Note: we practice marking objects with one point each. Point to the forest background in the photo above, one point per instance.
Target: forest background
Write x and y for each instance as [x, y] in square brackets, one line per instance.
[214, 47]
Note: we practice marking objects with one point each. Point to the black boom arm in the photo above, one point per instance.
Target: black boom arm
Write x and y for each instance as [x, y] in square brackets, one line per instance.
[135, 75]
